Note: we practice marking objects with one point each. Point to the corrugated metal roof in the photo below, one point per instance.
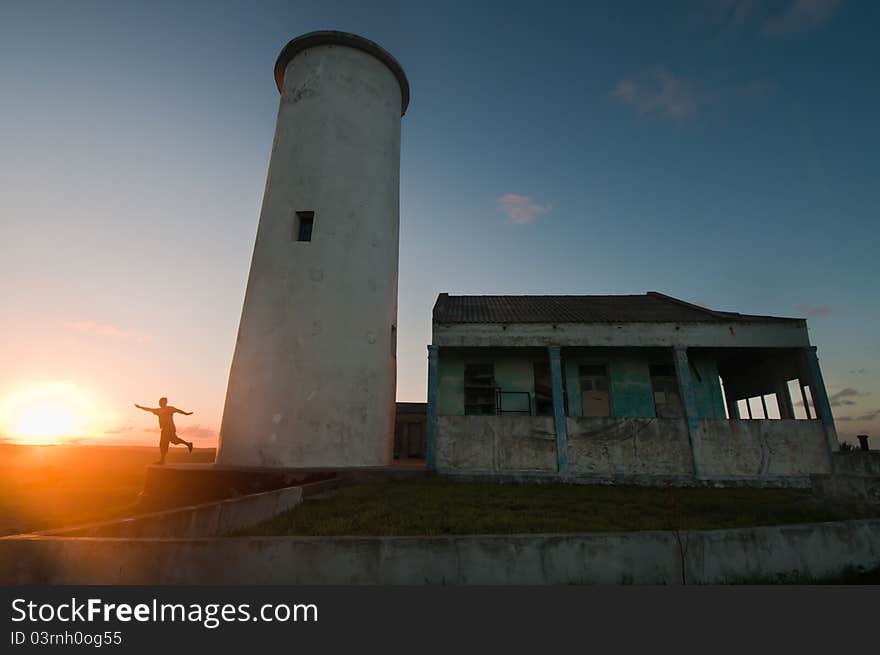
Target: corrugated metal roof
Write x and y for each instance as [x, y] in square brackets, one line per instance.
[651, 307]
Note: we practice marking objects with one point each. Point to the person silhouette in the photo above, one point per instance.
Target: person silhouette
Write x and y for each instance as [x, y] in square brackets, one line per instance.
[166, 413]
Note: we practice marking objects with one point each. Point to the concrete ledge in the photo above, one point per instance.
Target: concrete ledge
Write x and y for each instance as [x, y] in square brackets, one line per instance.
[205, 520]
[710, 557]
[665, 481]
[176, 485]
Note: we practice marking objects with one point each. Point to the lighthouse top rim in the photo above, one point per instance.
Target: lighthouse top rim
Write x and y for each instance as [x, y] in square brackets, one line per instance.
[347, 39]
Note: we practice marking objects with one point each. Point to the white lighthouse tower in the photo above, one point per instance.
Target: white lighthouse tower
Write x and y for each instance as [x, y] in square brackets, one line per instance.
[313, 376]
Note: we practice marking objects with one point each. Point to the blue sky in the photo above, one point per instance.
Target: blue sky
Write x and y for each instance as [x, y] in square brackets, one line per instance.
[724, 152]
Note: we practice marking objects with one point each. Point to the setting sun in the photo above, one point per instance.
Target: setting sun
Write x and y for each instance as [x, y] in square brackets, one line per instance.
[46, 421]
[50, 411]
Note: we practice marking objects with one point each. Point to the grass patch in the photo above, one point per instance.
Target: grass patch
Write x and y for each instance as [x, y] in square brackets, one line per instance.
[443, 507]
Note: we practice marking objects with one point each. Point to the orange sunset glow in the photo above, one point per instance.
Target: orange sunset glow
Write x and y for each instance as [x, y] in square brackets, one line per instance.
[50, 412]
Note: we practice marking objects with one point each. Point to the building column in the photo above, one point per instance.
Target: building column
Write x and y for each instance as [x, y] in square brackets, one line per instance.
[559, 411]
[689, 400]
[431, 419]
[822, 406]
[783, 399]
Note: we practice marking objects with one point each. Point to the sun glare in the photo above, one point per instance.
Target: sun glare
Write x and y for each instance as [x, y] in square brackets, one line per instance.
[49, 412]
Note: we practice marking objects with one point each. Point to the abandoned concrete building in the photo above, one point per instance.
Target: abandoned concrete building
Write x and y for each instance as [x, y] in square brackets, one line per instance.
[623, 386]
[561, 386]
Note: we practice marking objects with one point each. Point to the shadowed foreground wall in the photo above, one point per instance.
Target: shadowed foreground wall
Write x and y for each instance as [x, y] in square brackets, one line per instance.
[757, 554]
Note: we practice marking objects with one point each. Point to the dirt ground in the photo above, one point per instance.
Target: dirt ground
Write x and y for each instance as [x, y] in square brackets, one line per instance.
[44, 487]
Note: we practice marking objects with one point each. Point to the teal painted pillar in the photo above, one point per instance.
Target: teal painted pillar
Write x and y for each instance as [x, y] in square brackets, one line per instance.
[431, 420]
[820, 398]
[559, 411]
[689, 400]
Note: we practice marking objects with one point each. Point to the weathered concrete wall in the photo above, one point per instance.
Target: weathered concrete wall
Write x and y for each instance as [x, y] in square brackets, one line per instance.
[496, 443]
[712, 557]
[312, 381]
[691, 335]
[763, 448]
[857, 462]
[620, 447]
[632, 446]
[848, 486]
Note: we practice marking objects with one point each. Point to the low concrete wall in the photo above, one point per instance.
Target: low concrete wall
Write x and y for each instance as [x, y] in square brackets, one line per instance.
[628, 446]
[857, 462]
[763, 448]
[176, 485]
[496, 443]
[711, 557]
[855, 476]
[847, 486]
[206, 520]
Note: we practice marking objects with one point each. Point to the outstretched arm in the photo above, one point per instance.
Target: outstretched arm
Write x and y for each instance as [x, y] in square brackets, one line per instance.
[146, 409]
[180, 411]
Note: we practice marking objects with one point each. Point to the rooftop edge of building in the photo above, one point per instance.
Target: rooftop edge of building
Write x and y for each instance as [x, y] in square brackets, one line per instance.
[349, 40]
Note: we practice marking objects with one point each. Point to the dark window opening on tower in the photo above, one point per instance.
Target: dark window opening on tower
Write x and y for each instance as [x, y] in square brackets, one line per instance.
[303, 227]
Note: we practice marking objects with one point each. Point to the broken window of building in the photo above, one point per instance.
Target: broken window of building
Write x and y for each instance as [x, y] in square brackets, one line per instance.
[479, 389]
[771, 406]
[664, 384]
[808, 402]
[799, 401]
[595, 399]
[756, 408]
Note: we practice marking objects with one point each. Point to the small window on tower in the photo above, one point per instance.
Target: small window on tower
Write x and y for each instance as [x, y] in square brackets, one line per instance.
[303, 227]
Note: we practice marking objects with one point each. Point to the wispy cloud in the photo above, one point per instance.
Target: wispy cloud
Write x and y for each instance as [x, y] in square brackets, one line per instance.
[813, 310]
[771, 19]
[858, 371]
[737, 12]
[845, 396]
[197, 431]
[866, 417]
[108, 330]
[521, 209]
[119, 429]
[658, 92]
[663, 94]
[800, 16]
